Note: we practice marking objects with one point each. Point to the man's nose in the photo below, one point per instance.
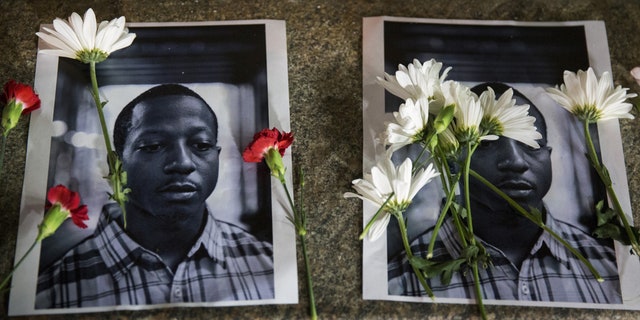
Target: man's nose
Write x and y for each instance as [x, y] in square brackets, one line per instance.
[512, 156]
[180, 159]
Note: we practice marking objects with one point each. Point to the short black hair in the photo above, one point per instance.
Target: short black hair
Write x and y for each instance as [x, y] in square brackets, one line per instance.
[123, 123]
[499, 88]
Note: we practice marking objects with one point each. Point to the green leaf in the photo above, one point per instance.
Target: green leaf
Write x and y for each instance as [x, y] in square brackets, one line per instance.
[610, 226]
[470, 253]
[604, 215]
[449, 269]
[612, 231]
[434, 268]
[461, 210]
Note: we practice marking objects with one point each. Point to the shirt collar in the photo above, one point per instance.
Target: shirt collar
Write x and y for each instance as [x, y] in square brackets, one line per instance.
[556, 248]
[453, 244]
[211, 240]
[119, 252]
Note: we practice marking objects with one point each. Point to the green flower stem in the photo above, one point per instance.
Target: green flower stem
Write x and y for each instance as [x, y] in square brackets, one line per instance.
[5, 282]
[3, 143]
[96, 97]
[604, 176]
[538, 222]
[443, 214]
[299, 221]
[478, 289]
[449, 183]
[449, 191]
[300, 208]
[307, 266]
[374, 218]
[407, 248]
[467, 199]
[115, 177]
[300, 229]
[417, 163]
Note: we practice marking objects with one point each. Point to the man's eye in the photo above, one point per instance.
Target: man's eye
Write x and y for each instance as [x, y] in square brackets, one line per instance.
[203, 146]
[533, 149]
[487, 144]
[150, 148]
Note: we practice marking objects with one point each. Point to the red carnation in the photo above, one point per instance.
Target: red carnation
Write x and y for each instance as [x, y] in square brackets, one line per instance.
[62, 204]
[19, 99]
[22, 93]
[265, 140]
[269, 144]
[70, 202]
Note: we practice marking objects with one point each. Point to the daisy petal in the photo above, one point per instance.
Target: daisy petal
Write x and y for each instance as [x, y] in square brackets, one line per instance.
[85, 39]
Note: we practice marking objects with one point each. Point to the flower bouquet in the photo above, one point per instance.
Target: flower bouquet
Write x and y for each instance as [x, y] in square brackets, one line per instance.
[487, 148]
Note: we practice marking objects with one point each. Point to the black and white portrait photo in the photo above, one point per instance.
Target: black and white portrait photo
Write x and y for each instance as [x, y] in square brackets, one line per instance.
[200, 227]
[527, 265]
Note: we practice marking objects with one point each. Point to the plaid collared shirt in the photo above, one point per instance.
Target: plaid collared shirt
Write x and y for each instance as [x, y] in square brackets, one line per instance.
[226, 263]
[549, 273]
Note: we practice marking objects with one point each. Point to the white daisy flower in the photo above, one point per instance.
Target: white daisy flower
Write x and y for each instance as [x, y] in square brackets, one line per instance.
[591, 99]
[416, 81]
[411, 123]
[84, 40]
[468, 113]
[503, 118]
[386, 181]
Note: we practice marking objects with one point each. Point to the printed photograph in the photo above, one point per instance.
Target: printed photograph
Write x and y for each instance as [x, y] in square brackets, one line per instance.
[200, 225]
[519, 262]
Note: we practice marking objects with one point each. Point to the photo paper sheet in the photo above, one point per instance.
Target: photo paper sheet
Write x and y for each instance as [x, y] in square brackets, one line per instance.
[238, 67]
[529, 57]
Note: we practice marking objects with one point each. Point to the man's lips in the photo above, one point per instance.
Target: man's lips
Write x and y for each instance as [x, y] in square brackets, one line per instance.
[515, 185]
[179, 187]
[179, 190]
[516, 188]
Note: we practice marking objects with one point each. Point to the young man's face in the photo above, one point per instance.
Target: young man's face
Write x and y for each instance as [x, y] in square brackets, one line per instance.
[523, 173]
[170, 156]
[520, 171]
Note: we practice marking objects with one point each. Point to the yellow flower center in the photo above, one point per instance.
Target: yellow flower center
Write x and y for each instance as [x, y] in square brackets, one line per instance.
[394, 206]
[468, 135]
[421, 136]
[587, 112]
[491, 126]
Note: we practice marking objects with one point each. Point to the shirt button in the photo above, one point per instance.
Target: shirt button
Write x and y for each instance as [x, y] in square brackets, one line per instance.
[177, 293]
[525, 289]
